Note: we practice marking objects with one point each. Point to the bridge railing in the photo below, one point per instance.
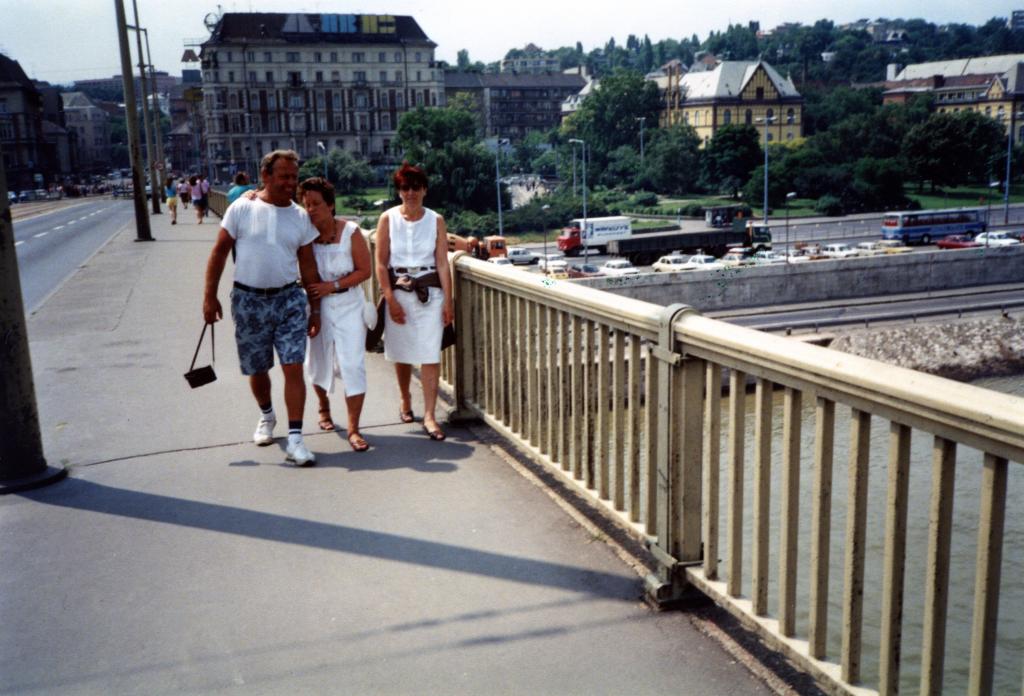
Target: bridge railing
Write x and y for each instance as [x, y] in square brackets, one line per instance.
[624, 399]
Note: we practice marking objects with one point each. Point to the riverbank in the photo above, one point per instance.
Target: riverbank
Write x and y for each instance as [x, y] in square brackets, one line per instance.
[962, 350]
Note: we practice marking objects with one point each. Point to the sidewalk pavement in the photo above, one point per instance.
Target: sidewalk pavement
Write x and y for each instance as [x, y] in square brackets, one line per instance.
[178, 557]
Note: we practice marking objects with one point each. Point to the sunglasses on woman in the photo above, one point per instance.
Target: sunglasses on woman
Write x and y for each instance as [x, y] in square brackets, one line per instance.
[409, 187]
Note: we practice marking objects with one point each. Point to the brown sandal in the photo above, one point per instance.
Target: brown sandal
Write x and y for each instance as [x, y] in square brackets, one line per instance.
[357, 443]
[326, 422]
[436, 435]
[406, 416]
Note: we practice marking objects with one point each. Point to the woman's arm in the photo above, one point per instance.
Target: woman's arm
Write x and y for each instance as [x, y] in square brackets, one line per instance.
[444, 271]
[383, 258]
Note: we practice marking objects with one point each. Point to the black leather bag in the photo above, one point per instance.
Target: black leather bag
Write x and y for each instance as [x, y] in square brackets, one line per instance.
[198, 376]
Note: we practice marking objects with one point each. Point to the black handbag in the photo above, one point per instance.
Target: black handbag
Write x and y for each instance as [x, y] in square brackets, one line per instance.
[198, 376]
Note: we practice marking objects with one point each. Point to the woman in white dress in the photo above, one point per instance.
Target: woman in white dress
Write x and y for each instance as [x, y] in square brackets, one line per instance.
[415, 280]
[343, 261]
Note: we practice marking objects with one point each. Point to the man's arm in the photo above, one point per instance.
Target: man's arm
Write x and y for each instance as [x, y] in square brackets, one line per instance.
[309, 274]
[212, 310]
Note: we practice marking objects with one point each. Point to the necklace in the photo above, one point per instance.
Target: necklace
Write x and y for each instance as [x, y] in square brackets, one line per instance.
[330, 239]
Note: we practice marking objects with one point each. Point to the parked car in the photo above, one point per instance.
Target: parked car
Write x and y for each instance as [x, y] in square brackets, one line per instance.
[584, 270]
[521, 256]
[12, 197]
[557, 273]
[995, 239]
[869, 249]
[894, 246]
[702, 262]
[619, 267]
[767, 257]
[549, 261]
[798, 256]
[738, 256]
[957, 241]
[500, 261]
[838, 250]
[669, 263]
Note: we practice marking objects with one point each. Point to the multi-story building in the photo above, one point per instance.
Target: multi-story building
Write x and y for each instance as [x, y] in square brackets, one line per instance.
[21, 127]
[512, 105]
[991, 85]
[60, 144]
[747, 92]
[306, 81]
[532, 61]
[91, 125]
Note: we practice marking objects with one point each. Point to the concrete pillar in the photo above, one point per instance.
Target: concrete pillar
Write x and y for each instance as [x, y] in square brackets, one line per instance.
[22, 465]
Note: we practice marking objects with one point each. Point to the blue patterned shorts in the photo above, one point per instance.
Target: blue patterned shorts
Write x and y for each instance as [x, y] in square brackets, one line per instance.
[265, 323]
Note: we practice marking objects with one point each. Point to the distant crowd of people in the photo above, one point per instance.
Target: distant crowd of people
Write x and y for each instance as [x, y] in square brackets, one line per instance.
[297, 291]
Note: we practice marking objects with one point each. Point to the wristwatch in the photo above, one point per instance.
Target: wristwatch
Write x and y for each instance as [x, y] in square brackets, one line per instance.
[337, 286]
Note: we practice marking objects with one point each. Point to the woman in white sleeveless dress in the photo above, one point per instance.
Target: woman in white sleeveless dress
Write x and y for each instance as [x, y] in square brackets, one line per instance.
[412, 252]
[343, 261]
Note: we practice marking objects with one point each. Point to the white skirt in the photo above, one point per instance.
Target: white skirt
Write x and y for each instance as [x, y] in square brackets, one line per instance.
[340, 347]
[418, 340]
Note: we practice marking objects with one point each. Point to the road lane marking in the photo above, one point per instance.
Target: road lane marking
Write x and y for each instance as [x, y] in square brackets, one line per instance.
[18, 243]
[82, 218]
[41, 234]
[58, 227]
[71, 222]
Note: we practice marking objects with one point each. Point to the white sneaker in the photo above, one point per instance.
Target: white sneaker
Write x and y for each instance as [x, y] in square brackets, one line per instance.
[264, 434]
[298, 452]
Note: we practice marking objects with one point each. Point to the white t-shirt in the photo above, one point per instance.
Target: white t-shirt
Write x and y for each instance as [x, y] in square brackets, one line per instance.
[267, 240]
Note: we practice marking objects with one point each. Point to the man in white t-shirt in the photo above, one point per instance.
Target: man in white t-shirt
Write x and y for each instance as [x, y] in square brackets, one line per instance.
[269, 234]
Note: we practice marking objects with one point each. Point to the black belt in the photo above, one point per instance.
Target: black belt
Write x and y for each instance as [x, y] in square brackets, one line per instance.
[266, 292]
[402, 270]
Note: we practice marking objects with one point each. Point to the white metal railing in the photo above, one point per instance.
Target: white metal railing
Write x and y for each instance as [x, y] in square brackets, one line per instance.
[624, 399]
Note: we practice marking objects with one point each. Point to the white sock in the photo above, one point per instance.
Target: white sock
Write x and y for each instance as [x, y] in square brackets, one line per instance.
[294, 438]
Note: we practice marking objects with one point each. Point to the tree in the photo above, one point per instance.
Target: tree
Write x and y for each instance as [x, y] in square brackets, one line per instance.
[671, 160]
[422, 129]
[952, 149]
[348, 173]
[730, 157]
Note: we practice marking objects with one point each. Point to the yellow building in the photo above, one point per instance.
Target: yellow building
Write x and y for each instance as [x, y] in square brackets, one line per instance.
[991, 85]
[734, 92]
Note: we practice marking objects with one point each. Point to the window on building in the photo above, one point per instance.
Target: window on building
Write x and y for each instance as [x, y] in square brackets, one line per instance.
[398, 76]
[271, 101]
[337, 101]
[790, 116]
[320, 102]
[433, 102]
[770, 137]
[319, 75]
[358, 57]
[386, 147]
[399, 100]
[382, 57]
[1000, 113]
[230, 57]
[268, 57]
[759, 93]
[252, 76]
[384, 99]
[770, 115]
[385, 121]
[359, 76]
[360, 101]
[789, 135]
[321, 122]
[296, 101]
[231, 75]
[696, 118]
[232, 101]
[270, 76]
[3, 106]
[292, 56]
[727, 117]
[419, 77]
[334, 56]
[417, 56]
[335, 76]
[383, 75]
[748, 117]
[318, 57]
[363, 122]
[250, 56]
[419, 98]
[398, 57]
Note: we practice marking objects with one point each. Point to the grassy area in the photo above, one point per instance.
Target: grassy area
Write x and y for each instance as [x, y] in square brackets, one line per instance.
[965, 196]
[342, 207]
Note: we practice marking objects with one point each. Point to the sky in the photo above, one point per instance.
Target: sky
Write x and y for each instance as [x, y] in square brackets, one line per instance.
[60, 41]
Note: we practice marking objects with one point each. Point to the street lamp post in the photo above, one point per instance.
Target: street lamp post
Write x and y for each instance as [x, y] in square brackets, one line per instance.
[789, 196]
[573, 143]
[323, 148]
[497, 181]
[583, 230]
[768, 120]
[1009, 152]
[641, 119]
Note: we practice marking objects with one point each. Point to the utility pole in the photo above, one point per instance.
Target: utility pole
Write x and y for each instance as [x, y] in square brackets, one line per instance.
[131, 117]
[22, 465]
[156, 115]
[150, 146]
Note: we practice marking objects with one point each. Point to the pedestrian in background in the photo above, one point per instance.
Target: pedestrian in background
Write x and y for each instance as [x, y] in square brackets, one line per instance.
[196, 194]
[270, 234]
[415, 280]
[171, 192]
[343, 262]
[242, 185]
[184, 193]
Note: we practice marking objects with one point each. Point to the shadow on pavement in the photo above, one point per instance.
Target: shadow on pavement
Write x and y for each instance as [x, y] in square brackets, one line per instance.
[86, 495]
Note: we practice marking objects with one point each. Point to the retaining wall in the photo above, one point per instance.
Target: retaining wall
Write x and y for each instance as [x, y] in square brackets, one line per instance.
[817, 281]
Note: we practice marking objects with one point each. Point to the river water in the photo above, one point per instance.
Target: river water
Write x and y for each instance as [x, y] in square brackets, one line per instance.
[966, 507]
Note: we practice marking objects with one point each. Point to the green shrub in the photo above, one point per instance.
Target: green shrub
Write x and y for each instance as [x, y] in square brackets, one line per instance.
[829, 205]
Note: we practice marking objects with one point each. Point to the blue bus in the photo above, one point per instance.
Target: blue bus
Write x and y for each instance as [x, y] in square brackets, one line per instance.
[927, 226]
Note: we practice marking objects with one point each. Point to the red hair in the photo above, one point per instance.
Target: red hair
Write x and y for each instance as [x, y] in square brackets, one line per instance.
[409, 175]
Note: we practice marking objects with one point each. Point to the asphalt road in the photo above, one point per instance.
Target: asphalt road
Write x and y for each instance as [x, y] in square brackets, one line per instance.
[52, 245]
